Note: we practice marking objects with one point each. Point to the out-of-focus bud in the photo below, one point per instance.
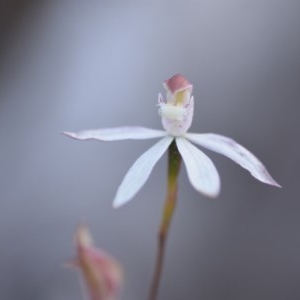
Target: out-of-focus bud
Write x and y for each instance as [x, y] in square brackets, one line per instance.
[101, 273]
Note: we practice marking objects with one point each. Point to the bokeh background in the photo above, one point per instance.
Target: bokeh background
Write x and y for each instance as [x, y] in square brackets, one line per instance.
[71, 65]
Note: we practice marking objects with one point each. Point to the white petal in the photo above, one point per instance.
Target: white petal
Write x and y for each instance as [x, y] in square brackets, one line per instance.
[201, 171]
[138, 174]
[228, 147]
[117, 133]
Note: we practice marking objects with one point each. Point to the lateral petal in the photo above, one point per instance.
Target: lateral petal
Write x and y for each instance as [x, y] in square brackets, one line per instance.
[117, 133]
[239, 154]
[201, 171]
[138, 174]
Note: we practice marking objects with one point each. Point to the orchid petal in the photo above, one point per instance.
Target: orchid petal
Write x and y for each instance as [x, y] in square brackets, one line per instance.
[138, 174]
[240, 155]
[201, 171]
[117, 133]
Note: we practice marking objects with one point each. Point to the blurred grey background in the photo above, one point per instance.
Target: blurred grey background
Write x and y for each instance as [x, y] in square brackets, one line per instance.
[71, 65]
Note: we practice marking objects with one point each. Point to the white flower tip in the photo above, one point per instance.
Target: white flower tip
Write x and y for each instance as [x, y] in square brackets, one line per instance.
[212, 194]
[277, 184]
[117, 203]
[67, 133]
[73, 135]
[212, 190]
[263, 175]
[121, 198]
[269, 180]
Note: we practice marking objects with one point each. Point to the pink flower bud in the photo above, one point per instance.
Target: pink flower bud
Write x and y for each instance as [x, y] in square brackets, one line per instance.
[177, 83]
[101, 273]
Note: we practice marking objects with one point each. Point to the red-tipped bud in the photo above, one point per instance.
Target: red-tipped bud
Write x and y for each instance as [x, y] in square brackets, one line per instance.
[101, 273]
[177, 83]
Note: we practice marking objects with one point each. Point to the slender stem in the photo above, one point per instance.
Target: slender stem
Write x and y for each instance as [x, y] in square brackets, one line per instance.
[169, 208]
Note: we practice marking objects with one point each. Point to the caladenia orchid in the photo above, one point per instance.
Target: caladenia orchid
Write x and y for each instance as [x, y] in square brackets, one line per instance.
[102, 274]
[176, 111]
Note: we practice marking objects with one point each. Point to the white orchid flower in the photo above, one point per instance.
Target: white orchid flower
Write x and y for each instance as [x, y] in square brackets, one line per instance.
[176, 112]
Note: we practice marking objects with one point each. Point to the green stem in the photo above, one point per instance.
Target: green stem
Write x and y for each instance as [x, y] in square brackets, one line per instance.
[169, 208]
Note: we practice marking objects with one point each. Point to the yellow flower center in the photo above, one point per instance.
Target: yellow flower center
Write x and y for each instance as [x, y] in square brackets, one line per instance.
[180, 97]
